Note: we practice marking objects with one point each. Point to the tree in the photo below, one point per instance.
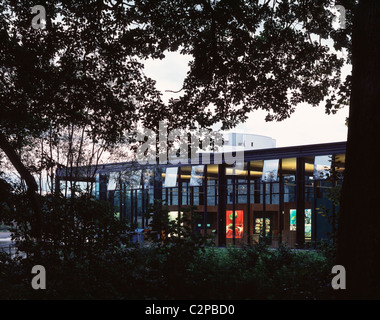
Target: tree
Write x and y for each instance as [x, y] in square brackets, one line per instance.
[273, 55]
[358, 235]
[81, 70]
[247, 55]
[250, 55]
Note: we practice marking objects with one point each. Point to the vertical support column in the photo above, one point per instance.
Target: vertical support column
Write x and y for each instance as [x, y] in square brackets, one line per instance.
[270, 193]
[132, 206]
[157, 184]
[191, 196]
[124, 200]
[233, 180]
[205, 200]
[281, 205]
[103, 187]
[143, 206]
[147, 205]
[57, 181]
[300, 202]
[222, 197]
[334, 184]
[264, 208]
[179, 192]
[256, 191]
[121, 202]
[248, 227]
[314, 213]
[136, 199]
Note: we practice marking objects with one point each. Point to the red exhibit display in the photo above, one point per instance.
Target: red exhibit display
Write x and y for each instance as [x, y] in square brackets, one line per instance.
[238, 224]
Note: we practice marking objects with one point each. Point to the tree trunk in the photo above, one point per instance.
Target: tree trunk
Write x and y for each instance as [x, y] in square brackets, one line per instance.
[359, 217]
[29, 180]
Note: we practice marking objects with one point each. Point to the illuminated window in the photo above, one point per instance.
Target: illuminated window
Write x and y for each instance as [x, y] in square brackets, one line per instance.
[238, 224]
[293, 222]
[259, 226]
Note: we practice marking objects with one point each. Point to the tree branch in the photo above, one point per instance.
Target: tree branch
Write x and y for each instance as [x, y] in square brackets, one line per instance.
[29, 180]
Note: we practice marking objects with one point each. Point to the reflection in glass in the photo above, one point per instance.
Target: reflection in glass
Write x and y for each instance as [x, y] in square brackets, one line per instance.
[196, 176]
[97, 187]
[212, 184]
[171, 177]
[148, 178]
[270, 170]
[132, 179]
[113, 181]
[339, 162]
[322, 165]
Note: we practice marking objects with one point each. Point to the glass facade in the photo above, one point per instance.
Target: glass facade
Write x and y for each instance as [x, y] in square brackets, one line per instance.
[260, 201]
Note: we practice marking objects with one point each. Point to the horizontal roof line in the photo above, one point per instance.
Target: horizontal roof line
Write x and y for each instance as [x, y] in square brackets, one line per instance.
[249, 155]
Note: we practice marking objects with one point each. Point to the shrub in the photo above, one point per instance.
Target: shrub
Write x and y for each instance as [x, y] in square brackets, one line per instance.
[88, 254]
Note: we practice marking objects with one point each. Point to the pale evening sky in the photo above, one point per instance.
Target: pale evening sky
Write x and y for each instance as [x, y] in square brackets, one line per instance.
[307, 125]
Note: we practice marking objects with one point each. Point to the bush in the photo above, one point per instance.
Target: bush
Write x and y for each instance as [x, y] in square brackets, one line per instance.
[82, 246]
[88, 254]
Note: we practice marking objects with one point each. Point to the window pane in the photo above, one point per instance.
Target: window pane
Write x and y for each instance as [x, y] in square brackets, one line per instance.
[148, 178]
[196, 179]
[293, 222]
[171, 177]
[270, 170]
[322, 165]
[132, 179]
[289, 166]
[113, 181]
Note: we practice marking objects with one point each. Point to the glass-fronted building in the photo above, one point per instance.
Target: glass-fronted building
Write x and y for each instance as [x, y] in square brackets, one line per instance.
[283, 195]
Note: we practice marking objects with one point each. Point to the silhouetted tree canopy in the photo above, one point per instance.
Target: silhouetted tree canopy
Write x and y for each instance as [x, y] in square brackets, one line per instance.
[249, 55]
[86, 67]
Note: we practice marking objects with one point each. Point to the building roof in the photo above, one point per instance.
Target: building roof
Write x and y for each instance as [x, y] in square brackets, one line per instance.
[249, 155]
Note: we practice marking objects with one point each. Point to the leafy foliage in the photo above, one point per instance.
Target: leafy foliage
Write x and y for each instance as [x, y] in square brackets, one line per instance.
[83, 68]
[250, 55]
[80, 238]
[88, 254]
[179, 229]
[77, 70]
